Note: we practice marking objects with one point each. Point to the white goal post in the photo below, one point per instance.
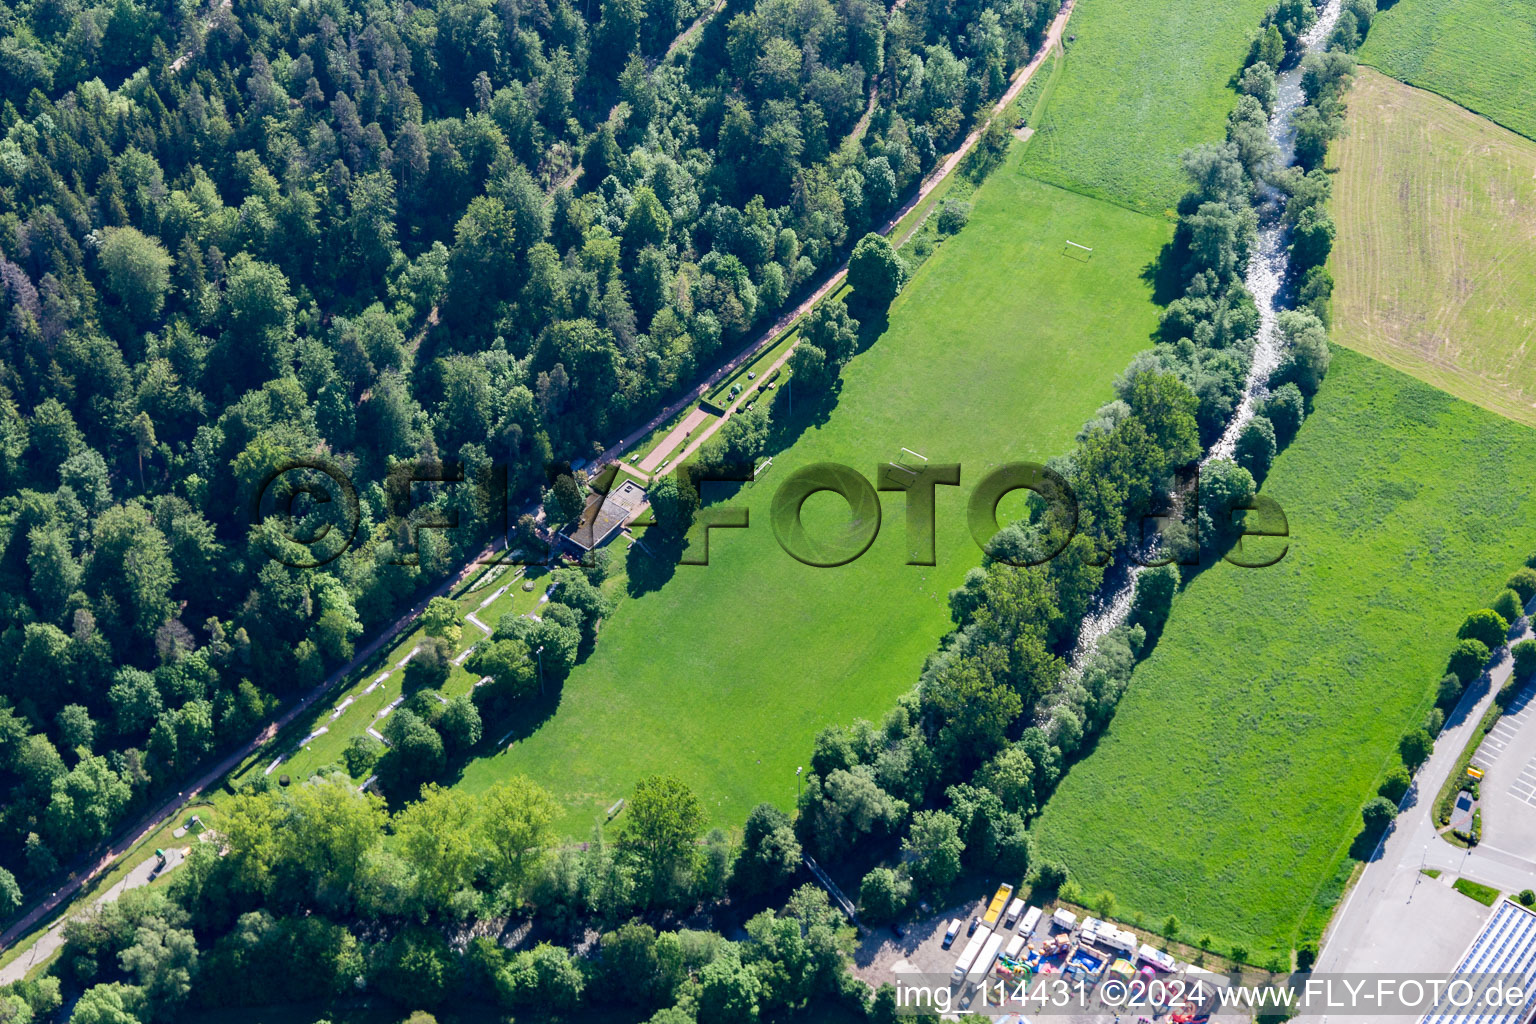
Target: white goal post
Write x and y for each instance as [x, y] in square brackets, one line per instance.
[904, 462]
[1088, 249]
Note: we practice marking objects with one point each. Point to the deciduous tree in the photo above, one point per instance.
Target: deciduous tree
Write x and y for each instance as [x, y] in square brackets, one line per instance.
[661, 821]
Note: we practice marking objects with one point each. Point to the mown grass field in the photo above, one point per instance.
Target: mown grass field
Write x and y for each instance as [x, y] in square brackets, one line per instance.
[1435, 259]
[998, 350]
[1143, 81]
[1228, 787]
[1479, 53]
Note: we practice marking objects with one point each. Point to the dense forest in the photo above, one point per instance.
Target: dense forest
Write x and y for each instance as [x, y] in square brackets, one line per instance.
[484, 233]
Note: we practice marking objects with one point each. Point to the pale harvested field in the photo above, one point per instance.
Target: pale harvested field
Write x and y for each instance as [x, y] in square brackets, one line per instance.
[1435, 259]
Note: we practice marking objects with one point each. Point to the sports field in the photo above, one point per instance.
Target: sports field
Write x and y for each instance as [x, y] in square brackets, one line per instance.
[1435, 259]
[1144, 80]
[1227, 790]
[998, 350]
[1479, 53]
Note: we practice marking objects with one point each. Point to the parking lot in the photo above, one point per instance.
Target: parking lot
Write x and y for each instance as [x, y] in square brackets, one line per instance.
[1508, 790]
[919, 960]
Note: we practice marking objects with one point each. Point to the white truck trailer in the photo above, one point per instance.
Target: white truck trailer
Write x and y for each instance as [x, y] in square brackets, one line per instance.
[969, 954]
[983, 964]
[1031, 921]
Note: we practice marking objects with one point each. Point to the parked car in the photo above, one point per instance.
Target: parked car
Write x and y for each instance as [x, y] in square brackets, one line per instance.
[975, 923]
[898, 931]
[951, 932]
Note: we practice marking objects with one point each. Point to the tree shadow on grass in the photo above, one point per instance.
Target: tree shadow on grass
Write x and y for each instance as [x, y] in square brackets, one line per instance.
[873, 322]
[653, 561]
[660, 551]
[1162, 273]
[524, 717]
[811, 409]
[504, 725]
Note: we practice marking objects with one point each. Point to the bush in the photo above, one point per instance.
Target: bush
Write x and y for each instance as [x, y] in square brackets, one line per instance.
[1306, 955]
[1434, 721]
[1509, 605]
[1395, 784]
[1315, 291]
[1256, 446]
[1485, 625]
[1050, 876]
[1155, 588]
[1450, 690]
[1415, 747]
[673, 504]
[884, 894]
[1285, 408]
[875, 272]
[934, 838]
[1307, 355]
[1525, 658]
[1378, 813]
[1312, 238]
[361, 754]
[953, 215]
[1468, 659]
[1527, 897]
[1523, 582]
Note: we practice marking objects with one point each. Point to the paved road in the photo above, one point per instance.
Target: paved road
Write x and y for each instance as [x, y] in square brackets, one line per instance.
[128, 837]
[1355, 939]
[53, 938]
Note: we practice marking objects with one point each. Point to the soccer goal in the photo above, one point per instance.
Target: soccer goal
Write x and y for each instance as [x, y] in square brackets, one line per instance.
[1078, 251]
[908, 463]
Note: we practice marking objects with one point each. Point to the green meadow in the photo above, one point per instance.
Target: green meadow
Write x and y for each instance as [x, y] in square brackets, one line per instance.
[1478, 53]
[998, 350]
[1227, 789]
[1143, 81]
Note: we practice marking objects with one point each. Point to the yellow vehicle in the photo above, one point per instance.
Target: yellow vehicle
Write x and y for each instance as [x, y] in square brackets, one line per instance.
[999, 901]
